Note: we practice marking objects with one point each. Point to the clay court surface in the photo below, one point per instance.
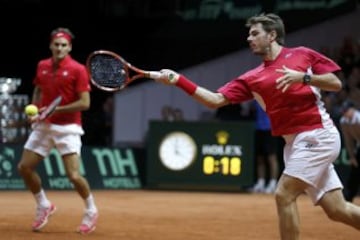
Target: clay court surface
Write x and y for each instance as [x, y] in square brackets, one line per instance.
[165, 215]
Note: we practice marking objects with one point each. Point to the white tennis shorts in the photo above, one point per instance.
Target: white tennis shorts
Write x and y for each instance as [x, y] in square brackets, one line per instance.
[65, 138]
[310, 157]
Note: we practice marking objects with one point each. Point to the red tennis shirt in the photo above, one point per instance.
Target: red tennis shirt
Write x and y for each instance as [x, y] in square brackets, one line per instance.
[300, 107]
[68, 80]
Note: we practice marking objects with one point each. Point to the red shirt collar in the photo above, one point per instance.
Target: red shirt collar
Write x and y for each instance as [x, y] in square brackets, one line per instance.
[63, 61]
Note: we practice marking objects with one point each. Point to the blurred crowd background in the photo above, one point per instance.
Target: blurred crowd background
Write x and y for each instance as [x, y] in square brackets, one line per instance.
[347, 55]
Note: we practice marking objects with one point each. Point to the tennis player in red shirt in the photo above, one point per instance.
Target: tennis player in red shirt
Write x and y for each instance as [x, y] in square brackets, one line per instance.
[287, 85]
[59, 75]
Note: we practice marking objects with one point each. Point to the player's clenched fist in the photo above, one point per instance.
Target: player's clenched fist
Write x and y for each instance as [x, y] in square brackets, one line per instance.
[168, 76]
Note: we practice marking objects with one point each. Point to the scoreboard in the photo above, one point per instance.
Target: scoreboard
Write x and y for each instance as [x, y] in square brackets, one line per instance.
[200, 155]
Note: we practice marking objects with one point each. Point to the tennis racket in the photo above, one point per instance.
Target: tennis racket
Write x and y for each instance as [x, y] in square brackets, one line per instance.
[110, 72]
[47, 111]
[50, 108]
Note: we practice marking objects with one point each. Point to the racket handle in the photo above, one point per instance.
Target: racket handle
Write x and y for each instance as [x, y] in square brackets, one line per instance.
[154, 74]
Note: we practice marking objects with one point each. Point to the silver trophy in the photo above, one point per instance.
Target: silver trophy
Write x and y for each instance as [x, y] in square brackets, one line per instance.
[12, 117]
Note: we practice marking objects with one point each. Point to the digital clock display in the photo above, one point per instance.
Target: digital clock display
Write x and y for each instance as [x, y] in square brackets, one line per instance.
[222, 160]
[224, 165]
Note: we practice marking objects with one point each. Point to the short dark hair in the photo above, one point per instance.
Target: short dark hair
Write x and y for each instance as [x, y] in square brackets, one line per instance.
[270, 22]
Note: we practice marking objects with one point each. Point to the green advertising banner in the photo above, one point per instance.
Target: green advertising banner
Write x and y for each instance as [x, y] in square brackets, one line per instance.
[200, 155]
[193, 156]
[104, 168]
[9, 177]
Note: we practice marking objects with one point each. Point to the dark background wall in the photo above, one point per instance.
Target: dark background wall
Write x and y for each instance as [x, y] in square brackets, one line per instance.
[150, 33]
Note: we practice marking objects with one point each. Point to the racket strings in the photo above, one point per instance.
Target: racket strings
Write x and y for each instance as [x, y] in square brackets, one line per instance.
[108, 71]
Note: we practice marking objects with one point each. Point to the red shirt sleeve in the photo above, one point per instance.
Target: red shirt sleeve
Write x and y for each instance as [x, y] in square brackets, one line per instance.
[320, 64]
[83, 83]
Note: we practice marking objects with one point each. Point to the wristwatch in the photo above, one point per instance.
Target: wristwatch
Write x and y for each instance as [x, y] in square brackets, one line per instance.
[307, 79]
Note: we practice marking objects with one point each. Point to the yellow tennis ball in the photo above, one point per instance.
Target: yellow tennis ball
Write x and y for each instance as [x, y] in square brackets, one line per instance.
[31, 110]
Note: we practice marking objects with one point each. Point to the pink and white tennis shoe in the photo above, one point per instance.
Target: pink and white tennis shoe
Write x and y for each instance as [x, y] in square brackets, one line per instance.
[88, 223]
[42, 217]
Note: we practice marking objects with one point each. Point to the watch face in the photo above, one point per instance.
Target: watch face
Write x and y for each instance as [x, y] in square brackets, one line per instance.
[177, 151]
[307, 79]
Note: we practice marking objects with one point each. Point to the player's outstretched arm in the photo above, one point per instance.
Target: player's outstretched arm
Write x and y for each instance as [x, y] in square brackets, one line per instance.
[200, 94]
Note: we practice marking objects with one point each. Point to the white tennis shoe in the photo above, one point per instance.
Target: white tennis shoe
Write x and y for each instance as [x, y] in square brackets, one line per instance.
[88, 224]
[42, 217]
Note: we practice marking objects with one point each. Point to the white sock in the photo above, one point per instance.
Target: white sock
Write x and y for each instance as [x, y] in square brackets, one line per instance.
[90, 204]
[260, 182]
[41, 199]
[272, 182]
